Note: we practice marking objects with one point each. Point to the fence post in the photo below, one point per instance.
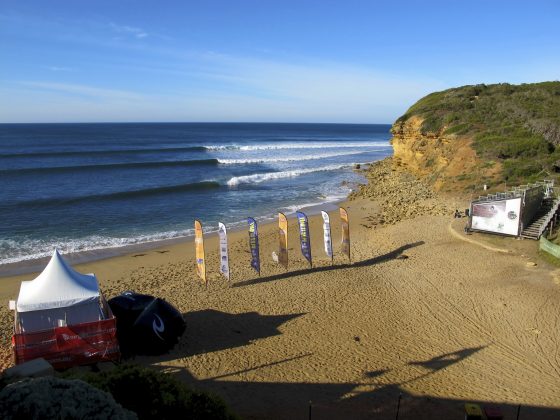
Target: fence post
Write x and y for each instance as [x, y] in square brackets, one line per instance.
[398, 406]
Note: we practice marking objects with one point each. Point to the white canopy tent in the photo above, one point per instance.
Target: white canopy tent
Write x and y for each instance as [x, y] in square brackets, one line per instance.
[58, 296]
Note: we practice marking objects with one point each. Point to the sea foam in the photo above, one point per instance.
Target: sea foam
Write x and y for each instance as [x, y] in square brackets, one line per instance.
[261, 177]
[286, 159]
[301, 145]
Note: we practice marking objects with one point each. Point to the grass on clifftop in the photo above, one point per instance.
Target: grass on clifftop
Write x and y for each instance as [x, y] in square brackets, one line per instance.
[518, 125]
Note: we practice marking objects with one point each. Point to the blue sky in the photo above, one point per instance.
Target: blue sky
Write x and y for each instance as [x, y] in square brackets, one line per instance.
[266, 61]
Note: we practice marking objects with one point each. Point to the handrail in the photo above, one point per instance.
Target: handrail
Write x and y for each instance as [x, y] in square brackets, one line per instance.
[549, 216]
[517, 191]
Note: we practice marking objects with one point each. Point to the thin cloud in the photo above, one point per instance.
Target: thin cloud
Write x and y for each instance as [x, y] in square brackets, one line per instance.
[57, 68]
[217, 87]
[84, 91]
[310, 87]
[129, 30]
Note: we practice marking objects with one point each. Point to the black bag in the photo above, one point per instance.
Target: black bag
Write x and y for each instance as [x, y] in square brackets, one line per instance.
[146, 324]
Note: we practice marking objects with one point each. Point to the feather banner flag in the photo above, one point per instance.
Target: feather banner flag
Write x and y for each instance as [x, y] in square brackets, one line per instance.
[327, 234]
[199, 251]
[254, 244]
[345, 232]
[224, 257]
[304, 236]
[283, 240]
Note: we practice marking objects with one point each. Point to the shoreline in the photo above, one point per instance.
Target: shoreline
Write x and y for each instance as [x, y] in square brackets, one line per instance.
[89, 259]
[35, 265]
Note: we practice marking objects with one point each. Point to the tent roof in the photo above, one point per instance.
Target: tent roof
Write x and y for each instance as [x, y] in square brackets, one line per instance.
[58, 286]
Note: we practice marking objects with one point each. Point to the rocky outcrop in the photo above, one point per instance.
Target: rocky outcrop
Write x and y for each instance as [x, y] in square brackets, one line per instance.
[447, 162]
[399, 194]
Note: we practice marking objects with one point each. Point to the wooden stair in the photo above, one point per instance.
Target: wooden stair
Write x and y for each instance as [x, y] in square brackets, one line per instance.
[545, 214]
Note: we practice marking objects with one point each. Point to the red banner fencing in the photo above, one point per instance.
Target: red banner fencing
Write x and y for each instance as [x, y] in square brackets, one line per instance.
[71, 345]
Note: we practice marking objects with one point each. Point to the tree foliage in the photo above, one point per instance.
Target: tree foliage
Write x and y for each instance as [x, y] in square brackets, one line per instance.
[156, 395]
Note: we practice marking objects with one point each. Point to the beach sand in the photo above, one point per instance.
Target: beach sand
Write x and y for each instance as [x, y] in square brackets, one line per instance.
[423, 311]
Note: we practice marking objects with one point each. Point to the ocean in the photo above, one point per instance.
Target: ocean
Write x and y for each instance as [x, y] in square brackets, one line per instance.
[85, 187]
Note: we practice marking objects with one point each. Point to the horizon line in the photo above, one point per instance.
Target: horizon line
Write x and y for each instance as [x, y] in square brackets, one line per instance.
[190, 122]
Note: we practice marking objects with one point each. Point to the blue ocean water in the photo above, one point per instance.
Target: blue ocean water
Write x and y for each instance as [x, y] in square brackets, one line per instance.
[83, 187]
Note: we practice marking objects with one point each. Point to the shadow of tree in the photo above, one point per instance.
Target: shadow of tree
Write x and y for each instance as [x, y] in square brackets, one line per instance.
[376, 373]
[374, 397]
[365, 263]
[281, 400]
[210, 330]
[442, 361]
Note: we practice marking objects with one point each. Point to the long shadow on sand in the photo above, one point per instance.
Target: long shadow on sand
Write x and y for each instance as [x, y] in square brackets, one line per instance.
[210, 330]
[365, 263]
[375, 397]
[444, 360]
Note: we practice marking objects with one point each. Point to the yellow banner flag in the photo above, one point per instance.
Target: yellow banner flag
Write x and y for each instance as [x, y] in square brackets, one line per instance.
[283, 240]
[345, 232]
[199, 251]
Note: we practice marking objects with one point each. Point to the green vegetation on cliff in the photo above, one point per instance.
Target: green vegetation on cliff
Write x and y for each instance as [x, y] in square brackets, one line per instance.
[517, 125]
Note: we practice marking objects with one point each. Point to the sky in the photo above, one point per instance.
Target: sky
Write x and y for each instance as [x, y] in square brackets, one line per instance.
[263, 60]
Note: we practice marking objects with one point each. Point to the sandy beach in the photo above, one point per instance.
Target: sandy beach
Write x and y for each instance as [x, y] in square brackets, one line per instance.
[424, 311]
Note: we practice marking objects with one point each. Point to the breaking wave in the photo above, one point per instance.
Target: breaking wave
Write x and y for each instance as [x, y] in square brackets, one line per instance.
[284, 159]
[261, 177]
[301, 145]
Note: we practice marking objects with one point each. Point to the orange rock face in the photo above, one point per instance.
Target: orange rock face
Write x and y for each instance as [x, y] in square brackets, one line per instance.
[448, 162]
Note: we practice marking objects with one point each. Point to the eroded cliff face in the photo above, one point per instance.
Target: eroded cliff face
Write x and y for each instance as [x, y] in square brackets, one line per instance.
[447, 162]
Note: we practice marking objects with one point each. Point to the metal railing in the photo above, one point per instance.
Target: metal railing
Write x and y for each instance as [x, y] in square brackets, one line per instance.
[549, 216]
[517, 192]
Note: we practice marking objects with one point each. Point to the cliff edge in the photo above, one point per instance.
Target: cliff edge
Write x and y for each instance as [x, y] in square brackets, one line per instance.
[461, 138]
[440, 159]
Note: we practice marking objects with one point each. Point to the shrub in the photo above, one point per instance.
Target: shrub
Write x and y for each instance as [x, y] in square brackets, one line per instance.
[153, 394]
[458, 129]
[513, 123]
[57, 398]
[432, 124]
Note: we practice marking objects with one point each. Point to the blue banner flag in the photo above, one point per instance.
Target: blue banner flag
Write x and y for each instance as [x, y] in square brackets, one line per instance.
[304, 236]
[254, 244]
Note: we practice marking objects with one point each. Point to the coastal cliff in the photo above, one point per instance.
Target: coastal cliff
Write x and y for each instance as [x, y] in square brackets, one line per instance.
[461, 138]
[440, 159]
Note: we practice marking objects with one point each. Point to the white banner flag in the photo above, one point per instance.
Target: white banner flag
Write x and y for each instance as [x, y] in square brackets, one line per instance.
[224, 259]
[327, 234]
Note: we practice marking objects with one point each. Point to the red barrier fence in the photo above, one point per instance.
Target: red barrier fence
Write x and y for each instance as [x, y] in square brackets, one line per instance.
[68, 346]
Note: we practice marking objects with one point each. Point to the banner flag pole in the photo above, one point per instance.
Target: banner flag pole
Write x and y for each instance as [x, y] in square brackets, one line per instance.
[254, 244]
[304, 236]
[345, 232]
[199, 252]
[224, 255]
[327, 235]
[283, 240]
